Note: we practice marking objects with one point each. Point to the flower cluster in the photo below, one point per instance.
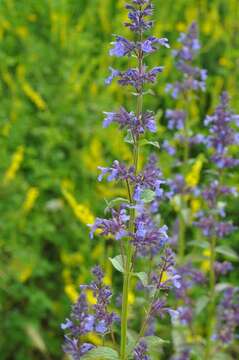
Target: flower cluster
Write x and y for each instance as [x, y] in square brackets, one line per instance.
[149, 178]
[140, 351]
[222, 135]
[227, 316]
[132, 221]
[130, 121]
[84, 320]
[193, 77]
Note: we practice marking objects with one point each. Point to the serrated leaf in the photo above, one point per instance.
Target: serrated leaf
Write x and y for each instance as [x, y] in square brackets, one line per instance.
[147, 142]
[201, 304]
[147, 195]
[118, 263]
[143, 277]
[101, 353]
[228, 252]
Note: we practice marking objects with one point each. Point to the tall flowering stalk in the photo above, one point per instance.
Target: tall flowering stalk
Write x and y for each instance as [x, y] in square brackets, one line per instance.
[212, 220]
[192, 82]
[132, 222]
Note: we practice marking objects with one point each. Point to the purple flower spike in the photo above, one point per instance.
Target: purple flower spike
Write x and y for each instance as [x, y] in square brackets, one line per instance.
[140, 351]
[222, 135]
[122, 47]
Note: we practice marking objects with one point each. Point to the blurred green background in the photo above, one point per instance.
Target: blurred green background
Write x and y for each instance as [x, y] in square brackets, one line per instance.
[53, 61]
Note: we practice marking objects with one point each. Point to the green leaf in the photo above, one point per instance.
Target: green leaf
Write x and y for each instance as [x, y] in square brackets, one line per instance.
[221, 356]
[201, 304]
[228, 252]
[101, 353]
[222, 287]
[131, 341]
[117, 262]
[147, 142]
[199, 243]
[154, 341]
[129, 138]
[143, 277]
[36, 337]
[115, 202]
[147, 195]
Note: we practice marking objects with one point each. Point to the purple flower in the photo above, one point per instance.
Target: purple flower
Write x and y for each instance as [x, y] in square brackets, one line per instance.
[122, 47]
[114, 74]
[149, 178]
[130, 121]
[222, 135]
[118, 171]
[148, 46]
[116, 226]
[103, 319]
[176, 119]
[141, 351]
[185, 315]
[72, 347]
[137, 78]
[138, 13]
[222, 268]
[194, 78]
[228, 316]
[148, 237]
[214, 190]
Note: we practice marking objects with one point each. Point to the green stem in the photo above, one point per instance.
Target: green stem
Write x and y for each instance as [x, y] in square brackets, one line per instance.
[181, 240]
[211, 306]
[129, 247]
[182, 225]
[129, 254]
[127, 275]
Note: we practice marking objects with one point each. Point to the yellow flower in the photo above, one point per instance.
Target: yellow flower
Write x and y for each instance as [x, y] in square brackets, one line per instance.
[21, 71]
[22, 31]
[17, 159]
[181, 27]
[33, 96]
[195, 205]
[93, 338]
[205, 266]
[82, 212]
[194, 338]
[32, 17]
[98, 251]
[7, 77]
[93, 156]
[66, 275]
[73, 259]
[193, 177]
[90, 297]
[71, 292]
[25, 273]
[223, 61]
[131, 298]
[165, 277]
[32, 195]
